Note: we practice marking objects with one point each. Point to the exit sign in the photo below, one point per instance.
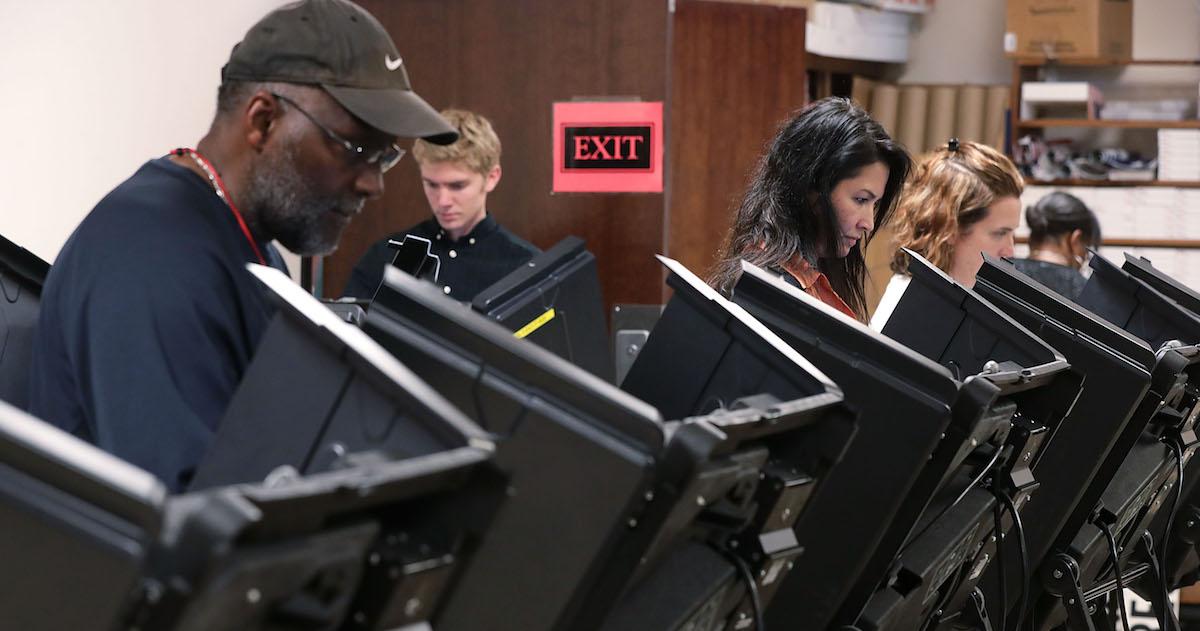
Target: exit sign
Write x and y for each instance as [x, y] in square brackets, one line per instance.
[608, 147]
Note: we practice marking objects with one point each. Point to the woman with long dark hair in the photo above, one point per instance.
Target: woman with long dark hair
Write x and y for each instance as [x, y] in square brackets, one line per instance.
[828, 179]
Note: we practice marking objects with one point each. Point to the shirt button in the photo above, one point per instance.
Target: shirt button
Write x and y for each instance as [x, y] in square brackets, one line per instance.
[446, 289]
[453, 254]
[439, 237]
[471, 241]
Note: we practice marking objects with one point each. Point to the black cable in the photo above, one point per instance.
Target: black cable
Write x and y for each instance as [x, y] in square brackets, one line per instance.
[1167, 620]
[1169, 614]
[1162, 566]
[1002, 622]
[760, 623]
[1116, 559]
[948, 595]
[1020, 532]
[945, 509]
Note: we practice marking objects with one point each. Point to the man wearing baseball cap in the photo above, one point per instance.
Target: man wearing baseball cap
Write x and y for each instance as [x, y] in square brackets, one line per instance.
[149, 317]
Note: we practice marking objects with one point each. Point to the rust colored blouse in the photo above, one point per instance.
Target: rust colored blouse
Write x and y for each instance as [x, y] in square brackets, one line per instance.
[815, 284]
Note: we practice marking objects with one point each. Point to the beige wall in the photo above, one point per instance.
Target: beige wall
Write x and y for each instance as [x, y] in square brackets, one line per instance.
[94, 89]
[960, 41]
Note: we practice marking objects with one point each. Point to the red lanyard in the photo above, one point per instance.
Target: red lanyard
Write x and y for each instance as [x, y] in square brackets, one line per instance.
[219, 186]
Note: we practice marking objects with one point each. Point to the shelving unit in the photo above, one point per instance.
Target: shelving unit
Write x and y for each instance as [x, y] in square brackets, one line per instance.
[1025, 69]
[1023, 65]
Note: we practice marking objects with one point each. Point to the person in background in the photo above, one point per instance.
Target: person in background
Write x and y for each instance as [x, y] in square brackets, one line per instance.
[829, 178]
[963, 201]
[474, 249]
[149, 317]
[1062, 231]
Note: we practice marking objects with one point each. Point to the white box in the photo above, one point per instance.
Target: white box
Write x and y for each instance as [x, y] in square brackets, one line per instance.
[1035, 94]
[1058, 91]
[1190, 227]
[1153, 222]
[1187, 137]
[821, 40]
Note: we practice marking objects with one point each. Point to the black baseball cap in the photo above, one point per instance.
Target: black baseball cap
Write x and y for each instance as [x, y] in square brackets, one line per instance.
[339, 46]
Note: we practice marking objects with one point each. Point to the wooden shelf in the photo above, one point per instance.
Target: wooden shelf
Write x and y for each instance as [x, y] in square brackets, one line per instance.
[1142, 243]
[1113, 183]
[1117, 124]
[1104, 61]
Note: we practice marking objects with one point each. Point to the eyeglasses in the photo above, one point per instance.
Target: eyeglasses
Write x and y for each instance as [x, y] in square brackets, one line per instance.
[385, 158]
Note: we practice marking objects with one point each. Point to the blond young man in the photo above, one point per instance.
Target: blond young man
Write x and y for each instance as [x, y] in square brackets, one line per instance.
[475, 251]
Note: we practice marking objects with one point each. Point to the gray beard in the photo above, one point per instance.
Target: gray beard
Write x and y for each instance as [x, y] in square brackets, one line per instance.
[288, 209]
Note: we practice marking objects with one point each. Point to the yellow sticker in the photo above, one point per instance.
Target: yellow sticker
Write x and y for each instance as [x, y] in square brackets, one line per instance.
[536, 324]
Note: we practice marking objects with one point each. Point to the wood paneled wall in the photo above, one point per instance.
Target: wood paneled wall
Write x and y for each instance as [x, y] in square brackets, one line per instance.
[510, 60]
[728, 73]
[737, 71]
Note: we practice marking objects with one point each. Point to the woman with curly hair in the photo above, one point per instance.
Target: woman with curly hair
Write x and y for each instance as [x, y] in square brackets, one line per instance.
[963, 201]
[829, 177]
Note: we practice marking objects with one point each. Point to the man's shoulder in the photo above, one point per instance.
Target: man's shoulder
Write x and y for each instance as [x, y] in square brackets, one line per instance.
[155, 224]
[157, 198]
[154, 179]
[516, 243]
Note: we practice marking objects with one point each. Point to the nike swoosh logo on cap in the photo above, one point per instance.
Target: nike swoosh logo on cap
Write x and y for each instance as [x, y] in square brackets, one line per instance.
[392, 64]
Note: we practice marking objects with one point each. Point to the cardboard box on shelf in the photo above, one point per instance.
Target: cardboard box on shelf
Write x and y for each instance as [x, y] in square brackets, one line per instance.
[1069, 28]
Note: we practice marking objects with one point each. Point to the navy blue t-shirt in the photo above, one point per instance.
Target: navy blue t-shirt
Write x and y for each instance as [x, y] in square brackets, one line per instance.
[148, 321]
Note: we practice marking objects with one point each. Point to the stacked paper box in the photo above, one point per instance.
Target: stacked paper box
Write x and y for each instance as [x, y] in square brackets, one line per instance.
[1157, 110]
[1179, 154]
